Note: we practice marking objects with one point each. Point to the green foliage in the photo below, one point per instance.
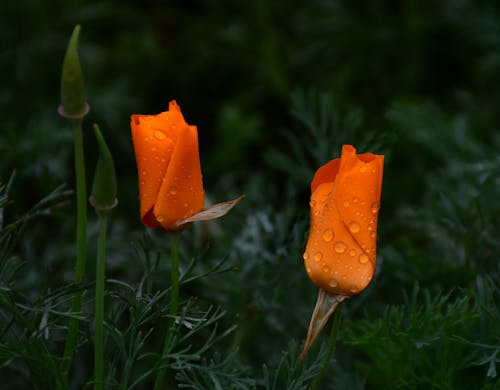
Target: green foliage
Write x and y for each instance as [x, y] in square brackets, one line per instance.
[427, 341]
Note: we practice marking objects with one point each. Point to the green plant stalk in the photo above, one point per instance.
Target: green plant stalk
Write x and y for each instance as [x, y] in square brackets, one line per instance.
[174, 305]
[99, 302]
[81, 249]
[337, 318]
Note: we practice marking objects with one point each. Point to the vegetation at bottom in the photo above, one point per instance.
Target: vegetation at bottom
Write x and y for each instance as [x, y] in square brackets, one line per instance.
[275, 88]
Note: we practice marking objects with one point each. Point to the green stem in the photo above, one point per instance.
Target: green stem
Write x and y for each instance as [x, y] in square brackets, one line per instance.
[174, 277]
[337, 317]
[174, 307]
[99, 302]
[81, 250]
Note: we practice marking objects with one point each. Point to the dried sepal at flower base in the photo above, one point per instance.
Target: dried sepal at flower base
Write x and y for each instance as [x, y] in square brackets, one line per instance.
[340, 255]
[170, 180]
[212, 212]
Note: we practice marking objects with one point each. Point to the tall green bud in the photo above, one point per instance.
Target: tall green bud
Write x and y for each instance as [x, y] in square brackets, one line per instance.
[103, 196]
[73, 102]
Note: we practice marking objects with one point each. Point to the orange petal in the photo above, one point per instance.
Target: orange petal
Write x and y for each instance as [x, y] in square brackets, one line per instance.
[164, 145]
[340, 255]
[181, 194]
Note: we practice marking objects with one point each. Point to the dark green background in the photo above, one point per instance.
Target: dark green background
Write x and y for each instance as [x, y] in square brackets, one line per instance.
[276, 88]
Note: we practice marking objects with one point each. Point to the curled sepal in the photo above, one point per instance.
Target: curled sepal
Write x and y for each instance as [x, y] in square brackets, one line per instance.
[104, 187]
[325, 306]
[212, 212]
[73, 102]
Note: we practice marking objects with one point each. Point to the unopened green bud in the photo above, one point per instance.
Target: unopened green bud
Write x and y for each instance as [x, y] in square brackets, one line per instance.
[104, 188]
[73, 103]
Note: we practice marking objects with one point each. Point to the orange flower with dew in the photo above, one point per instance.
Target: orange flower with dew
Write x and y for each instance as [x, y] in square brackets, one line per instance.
[171, 190]
[340, 255]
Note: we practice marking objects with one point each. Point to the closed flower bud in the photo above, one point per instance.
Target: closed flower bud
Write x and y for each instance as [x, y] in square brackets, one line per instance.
[73, 103]
[340, 255]
[104, 188]
[171, 190]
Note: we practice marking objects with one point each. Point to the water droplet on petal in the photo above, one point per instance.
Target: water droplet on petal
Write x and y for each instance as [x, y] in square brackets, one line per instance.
[160, 218]
[326, 269]
[355, 200]
[352, 252]
[144, 173]
[318, 256]
[363, 168]
[305, 256]
[312, 203]
[374, 207]
[340, 247]
[354, 288]
[373, 235]
[354, 227]
[159, 135]
[332, 283]
[328, 235]
[172, 190]
[309, 270]
[363, 258]
[346, 203]
[185, 205]
[146, 139]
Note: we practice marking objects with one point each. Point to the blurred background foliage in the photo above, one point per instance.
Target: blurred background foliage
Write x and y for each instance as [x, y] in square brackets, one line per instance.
[275, 88]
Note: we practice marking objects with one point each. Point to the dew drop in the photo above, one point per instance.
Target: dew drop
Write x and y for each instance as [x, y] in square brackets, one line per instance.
[363, 258]
[363, 168]
[374, 207]
[352, 252]
[340, 247]
[355, 200]
[373, 235]
[354, 227]
[312, 203]
[153, 149]
[318, 256]
[305, 256]
[309, 270]
[142, 182]
[326, 269]
[172, 190]
[332, 283]
[328, 235]
[160, 218]
[185, 205]
[370, 228]
[144, 173]
[354, 288]
[146, 139]
[346, 203]
[159, 135]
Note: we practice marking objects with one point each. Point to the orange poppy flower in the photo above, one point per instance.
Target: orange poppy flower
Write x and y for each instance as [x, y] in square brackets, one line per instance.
[340, 254]
[170, 180]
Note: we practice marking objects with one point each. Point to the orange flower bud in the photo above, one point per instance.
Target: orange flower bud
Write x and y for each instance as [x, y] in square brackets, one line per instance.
[170, 181]
[340, 255]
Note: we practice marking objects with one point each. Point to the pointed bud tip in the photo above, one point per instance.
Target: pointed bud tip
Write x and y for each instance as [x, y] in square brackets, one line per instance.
[73, 100]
